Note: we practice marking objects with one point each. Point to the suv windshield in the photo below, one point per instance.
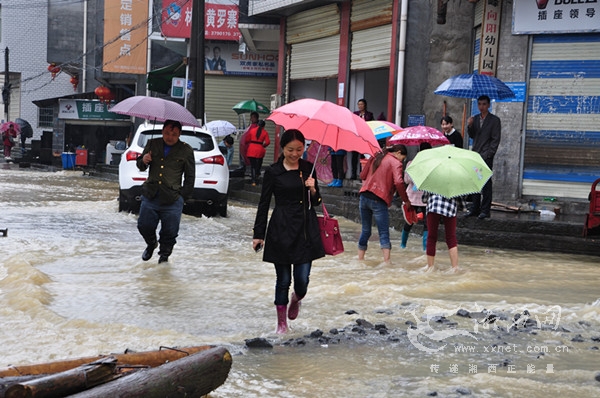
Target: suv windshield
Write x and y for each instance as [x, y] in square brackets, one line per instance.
[198, 141]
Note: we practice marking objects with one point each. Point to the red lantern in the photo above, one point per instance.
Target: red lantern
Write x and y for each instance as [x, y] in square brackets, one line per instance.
[104, 94]
[75, 82]
[53, 69]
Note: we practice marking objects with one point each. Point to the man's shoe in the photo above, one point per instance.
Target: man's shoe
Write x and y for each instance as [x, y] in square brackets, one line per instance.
[147, 254]
[471, 214]
[481, 216]
[163, 259]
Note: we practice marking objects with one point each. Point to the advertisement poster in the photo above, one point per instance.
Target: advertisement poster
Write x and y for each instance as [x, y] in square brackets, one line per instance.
[220, 20]
[555, 16]
[125, 36]
[225, 59]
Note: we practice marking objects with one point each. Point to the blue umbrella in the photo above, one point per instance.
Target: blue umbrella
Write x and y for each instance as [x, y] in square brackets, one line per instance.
[474, 85]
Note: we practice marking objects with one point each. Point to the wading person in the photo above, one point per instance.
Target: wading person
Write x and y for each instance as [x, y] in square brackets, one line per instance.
[439, 207]
[292, 239]
[381, 177]
[163, 194]
[415, 197]
[485, 129]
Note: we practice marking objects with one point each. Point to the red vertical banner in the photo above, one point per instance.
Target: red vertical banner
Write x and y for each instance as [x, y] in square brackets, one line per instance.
[220, 20]
[125, 36]
[177, 18]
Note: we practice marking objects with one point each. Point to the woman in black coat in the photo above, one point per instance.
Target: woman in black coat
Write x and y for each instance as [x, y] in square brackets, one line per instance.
[292, 236]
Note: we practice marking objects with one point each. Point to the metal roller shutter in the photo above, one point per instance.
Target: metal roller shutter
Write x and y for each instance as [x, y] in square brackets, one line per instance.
[562, 139]
[478, 19]
[313, 24]
[223, 92]
[371, 49]
[315, 58]
[477, 49]
[370, 13]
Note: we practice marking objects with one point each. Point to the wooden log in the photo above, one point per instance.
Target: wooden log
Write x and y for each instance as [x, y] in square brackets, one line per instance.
[192, 376]
[148, 358]
[66, 383]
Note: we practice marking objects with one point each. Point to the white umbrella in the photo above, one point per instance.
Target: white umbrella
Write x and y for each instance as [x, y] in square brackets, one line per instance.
[221, 128]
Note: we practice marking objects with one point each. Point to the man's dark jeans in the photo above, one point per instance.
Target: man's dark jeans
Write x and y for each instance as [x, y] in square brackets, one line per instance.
[151, 212]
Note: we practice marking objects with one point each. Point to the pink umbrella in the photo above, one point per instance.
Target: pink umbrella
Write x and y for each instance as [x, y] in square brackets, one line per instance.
[6, 126]
[417, 134]
[322, 161]
[155, 109]
[327, 123]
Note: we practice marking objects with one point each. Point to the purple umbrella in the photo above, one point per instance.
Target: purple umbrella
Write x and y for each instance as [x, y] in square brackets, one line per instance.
[155, 109]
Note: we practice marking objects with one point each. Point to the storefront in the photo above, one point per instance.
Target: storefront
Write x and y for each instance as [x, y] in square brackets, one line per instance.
[87, 124]
[561, 132]
[370, 54]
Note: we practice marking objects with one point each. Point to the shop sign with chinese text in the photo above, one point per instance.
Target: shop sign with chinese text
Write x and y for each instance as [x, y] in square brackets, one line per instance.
[220, 20]
[125, 36]
[87, 110]
[555, 16]
[490, 32]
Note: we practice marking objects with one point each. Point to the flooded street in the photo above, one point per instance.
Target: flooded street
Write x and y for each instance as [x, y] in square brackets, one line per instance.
[72, 283]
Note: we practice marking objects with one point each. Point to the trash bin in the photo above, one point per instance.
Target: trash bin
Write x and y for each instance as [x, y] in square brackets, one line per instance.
[82, 157]
[68, 160]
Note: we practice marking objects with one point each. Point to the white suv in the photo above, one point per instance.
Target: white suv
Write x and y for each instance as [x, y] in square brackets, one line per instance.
[212, 174]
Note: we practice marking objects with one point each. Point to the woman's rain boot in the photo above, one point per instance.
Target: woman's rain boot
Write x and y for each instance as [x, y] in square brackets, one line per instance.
[333, 183]
[282, 319]
[425, 240]
[404, 239]
[294, 307]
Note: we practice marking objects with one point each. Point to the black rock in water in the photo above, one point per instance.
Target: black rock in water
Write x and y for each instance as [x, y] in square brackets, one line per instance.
[463, 391]
[316, 334]
[334, 331]
[578, 339]
[364, 323]
[351, 312]
[258, 342]
[432, 394]
[463, 313]
[597, 377]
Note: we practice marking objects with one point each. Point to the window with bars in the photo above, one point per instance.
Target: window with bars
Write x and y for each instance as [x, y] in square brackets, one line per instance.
[46, 117]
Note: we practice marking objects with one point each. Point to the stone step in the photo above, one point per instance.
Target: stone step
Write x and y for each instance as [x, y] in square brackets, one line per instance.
[523, 231]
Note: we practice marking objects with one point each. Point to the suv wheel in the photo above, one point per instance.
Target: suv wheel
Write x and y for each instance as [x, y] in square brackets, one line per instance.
[222, 207]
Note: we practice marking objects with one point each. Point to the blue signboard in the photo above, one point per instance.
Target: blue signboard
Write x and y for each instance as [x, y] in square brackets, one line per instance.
[519, 89]
[416, 120]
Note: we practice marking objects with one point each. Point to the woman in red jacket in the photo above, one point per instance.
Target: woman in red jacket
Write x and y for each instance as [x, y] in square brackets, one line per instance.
[257, 141]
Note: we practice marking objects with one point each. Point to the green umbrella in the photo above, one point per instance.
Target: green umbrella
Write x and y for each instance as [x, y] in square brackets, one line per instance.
[449, 171]
[250, 106]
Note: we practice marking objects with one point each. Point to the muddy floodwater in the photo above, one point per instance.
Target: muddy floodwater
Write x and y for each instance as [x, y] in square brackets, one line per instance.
[72, 283]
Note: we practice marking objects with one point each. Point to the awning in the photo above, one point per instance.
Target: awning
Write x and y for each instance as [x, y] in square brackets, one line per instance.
[49, 102]
[159, 80]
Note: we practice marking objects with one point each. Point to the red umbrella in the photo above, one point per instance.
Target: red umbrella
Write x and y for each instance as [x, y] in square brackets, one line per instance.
[322, 161]
[417, 134]
[6, 126]
[328, 124]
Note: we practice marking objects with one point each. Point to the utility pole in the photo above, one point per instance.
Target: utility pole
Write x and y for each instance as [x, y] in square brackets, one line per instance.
[7, 85]
[196, 105]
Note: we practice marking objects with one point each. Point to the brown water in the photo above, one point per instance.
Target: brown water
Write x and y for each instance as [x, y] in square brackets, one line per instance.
[72, 283]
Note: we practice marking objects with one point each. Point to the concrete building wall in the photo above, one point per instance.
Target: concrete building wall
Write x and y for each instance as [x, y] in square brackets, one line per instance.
[434, 53]
[512, 67]
[24, 27]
